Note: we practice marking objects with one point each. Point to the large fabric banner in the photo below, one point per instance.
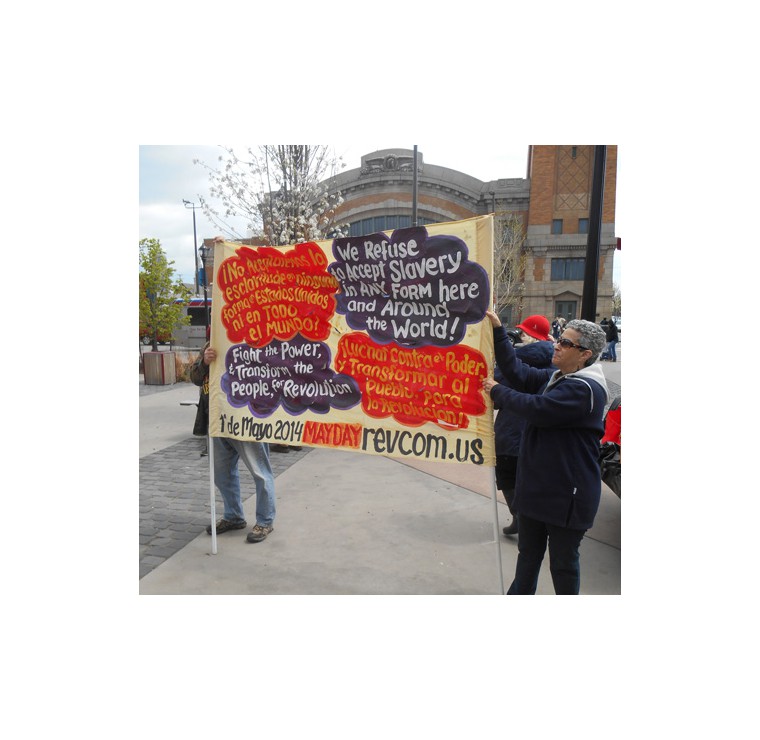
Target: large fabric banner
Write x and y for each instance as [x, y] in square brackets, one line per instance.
[375, 344]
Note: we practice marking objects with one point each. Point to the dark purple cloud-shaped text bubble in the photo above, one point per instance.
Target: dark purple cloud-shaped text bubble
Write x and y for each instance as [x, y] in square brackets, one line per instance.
[294, 373]
[409, 288]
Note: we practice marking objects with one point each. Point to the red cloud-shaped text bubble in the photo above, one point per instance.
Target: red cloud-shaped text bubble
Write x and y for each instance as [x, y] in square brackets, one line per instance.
[414, 386]
[271, 294]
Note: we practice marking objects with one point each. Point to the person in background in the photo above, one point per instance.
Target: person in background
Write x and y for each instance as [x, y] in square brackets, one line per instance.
[557, 328]
[200, 428]
[612, 337]
[227, 453]
[536, 350]
[559, 485]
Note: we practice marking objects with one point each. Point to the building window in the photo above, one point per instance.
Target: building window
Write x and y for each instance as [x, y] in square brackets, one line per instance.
[583, 226]
[568, 268]
[575, 152]
[384, 223]
[557, 226]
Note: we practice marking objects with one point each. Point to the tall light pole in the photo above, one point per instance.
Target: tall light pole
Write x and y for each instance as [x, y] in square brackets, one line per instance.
[204, 256]
[189, 204]
[414, 188]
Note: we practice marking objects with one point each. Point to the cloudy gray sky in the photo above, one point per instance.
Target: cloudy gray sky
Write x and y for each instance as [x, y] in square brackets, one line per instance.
[168, 175]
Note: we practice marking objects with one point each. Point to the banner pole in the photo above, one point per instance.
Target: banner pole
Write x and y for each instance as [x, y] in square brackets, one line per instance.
[211, 493]
[496, 534]
[211, 489]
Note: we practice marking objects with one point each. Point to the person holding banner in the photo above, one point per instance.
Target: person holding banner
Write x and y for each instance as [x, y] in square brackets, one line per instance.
[537, 350]
[227, 454]
[558, 486]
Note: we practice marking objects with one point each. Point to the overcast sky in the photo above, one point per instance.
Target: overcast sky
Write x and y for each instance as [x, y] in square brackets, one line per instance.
[168, 175]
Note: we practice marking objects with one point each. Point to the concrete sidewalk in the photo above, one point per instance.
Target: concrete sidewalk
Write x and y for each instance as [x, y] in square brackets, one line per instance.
[347, 523]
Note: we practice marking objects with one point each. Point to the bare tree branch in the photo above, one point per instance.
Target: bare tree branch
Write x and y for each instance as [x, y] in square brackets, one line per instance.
[278, 190]
[509, 262]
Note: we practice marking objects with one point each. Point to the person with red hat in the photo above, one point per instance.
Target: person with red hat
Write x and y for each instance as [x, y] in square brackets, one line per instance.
[535, 349]
[536, 327]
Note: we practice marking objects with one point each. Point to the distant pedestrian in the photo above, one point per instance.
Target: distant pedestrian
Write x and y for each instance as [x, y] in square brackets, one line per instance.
[612, 336]
[227, 454]
[200, 428]
[556, 328]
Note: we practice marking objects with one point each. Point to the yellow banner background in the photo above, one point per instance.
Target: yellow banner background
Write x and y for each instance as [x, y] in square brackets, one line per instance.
[292, 369]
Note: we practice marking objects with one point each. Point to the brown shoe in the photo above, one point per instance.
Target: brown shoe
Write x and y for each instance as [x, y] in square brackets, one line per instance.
[224, 525]
[258, 533]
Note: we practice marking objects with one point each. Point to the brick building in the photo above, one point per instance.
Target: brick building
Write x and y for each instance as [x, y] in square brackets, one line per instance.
[552, 202]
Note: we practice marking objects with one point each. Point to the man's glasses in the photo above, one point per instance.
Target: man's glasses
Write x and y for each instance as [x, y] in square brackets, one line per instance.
[567, 344]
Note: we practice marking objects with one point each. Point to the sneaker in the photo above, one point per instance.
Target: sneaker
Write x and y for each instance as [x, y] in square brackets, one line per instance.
[258, 533]
[225, 526]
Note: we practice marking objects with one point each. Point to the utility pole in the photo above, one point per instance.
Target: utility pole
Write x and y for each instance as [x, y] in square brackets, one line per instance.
[189, 204]
[204, 257]
[414, 188]
[591, 274]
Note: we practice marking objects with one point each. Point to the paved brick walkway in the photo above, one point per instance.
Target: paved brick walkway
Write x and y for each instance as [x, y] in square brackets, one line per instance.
[174, 497]
[174, 493]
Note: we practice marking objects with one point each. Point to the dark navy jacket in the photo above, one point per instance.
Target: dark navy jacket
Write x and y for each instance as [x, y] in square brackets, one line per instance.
[508, 426]
[558, 476]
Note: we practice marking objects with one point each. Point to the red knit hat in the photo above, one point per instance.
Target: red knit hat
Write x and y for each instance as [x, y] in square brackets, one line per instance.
[536, 327]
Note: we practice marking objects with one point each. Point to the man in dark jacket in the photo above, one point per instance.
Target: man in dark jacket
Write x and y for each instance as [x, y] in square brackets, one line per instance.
[536, 350]
[559, 483]
[200, 428]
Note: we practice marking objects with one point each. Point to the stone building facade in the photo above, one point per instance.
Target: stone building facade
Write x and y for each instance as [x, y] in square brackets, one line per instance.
[557, 230]
[552, 202]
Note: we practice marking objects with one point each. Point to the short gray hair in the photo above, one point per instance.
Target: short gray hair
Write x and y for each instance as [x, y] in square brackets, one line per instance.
[592, 337]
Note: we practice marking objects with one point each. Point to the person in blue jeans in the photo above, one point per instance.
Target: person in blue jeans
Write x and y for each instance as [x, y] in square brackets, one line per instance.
[613, 337]
[227, 455]
[559, 481]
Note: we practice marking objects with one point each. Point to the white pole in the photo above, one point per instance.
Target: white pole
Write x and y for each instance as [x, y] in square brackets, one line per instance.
[211, 493]
[496, 534]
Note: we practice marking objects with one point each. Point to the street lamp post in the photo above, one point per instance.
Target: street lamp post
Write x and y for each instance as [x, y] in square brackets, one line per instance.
[204, 256]
[414, 188]
[189, 204]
